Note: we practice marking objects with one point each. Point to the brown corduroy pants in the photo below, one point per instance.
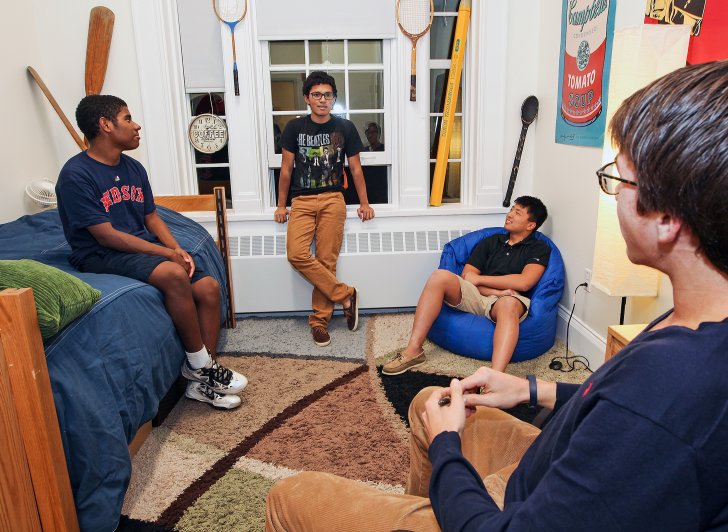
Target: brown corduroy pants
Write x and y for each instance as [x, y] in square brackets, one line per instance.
[318, 218]
[492, 441]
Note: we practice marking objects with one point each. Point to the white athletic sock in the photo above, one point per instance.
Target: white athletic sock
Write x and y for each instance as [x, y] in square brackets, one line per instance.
[200, 359]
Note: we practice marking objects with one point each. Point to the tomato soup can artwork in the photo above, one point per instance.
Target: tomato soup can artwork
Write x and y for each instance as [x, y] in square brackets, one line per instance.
[585, 49]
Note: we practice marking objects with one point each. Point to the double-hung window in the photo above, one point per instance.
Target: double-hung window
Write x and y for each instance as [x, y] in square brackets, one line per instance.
[360, 72]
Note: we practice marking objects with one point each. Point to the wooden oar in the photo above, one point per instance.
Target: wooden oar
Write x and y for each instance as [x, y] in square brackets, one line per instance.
[100, 30]
[57, 107]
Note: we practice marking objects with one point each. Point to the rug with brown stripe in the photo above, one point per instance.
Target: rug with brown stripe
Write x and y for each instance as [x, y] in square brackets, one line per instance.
[305, 408]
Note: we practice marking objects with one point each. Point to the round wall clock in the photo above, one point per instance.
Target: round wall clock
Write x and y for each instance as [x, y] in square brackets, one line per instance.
[208, 133]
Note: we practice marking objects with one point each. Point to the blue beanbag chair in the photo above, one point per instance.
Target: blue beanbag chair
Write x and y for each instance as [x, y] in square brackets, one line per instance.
[472, 336]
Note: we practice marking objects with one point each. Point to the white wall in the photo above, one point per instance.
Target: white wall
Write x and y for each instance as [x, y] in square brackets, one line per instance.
[565, 180]
[51, 36]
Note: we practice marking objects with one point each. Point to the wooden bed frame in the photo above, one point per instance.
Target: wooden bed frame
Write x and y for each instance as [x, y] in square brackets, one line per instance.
[35, 490]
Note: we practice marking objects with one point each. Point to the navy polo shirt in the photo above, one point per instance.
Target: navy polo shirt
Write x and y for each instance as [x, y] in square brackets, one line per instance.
[494, 256]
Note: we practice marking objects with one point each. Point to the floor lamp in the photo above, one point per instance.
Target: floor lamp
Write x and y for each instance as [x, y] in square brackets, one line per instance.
[639, 55]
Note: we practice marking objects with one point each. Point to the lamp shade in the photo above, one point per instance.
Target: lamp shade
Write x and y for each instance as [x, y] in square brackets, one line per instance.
[639, 56]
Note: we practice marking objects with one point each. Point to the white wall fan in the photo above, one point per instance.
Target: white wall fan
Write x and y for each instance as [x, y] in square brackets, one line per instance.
[42, 192]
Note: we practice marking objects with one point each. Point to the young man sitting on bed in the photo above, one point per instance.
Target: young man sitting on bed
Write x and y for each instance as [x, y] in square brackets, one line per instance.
[110, 221]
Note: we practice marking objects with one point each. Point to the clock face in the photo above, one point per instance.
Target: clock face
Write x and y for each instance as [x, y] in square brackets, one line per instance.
[208, 133]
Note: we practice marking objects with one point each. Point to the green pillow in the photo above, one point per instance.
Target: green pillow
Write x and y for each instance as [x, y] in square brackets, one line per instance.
[59, 296]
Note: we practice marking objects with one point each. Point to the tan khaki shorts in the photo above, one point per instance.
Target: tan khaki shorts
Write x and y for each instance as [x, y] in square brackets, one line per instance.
[475, 303]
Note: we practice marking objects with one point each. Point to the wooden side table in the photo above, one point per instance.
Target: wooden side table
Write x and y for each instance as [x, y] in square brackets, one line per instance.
[620, 335]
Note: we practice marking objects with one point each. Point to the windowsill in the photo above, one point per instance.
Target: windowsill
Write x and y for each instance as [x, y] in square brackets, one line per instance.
[381, 211]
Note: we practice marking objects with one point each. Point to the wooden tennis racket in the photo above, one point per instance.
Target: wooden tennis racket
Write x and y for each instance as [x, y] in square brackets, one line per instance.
[414, 18]
[231, 12]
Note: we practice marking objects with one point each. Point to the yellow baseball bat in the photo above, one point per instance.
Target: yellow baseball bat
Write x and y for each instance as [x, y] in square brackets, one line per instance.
[451, 99]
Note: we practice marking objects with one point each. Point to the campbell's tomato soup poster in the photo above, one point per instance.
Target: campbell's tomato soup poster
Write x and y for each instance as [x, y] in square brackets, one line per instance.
[587, 30]
[708, 20]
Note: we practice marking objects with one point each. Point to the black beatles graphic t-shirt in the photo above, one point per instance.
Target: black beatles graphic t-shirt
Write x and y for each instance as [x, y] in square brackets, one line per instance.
[319, 153]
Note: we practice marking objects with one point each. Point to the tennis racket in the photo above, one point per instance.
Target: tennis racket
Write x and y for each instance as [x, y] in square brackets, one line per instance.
[414, 18]
[231, 12]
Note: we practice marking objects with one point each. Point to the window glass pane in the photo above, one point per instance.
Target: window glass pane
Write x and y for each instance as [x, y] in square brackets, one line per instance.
[200, 103]
[209, 178]
[279, 124]
[441, 37]
[451, 190]
[376, 181]
[371, 129]
[340, 80]
[456, 140]
[365, 52]
[326, 52]
[287, 53]
[212, 158]
[446, 5]
[365, 90]
[287, 91]
[438, 82]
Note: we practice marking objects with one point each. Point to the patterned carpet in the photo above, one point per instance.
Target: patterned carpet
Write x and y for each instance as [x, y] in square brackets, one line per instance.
[306, 408]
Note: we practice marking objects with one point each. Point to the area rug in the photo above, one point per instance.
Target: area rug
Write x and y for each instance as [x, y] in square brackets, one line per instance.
[305, 408]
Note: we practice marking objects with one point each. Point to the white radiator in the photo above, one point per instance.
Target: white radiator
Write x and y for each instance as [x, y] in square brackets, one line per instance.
[388, 268]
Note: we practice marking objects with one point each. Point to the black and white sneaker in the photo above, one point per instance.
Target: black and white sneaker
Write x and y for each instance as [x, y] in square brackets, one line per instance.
[219, 378]
[203, 393]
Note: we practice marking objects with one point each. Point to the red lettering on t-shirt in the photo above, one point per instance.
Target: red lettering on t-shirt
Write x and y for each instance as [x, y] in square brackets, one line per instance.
[106, 201]
[116, 195]
[125, 193]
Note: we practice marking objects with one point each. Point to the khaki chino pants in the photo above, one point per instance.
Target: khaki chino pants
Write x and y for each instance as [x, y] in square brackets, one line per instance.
[318, 218]
[492, 441]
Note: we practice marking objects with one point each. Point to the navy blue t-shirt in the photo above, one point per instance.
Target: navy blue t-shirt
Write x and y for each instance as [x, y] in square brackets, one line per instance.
[641, 445]
[90, 193]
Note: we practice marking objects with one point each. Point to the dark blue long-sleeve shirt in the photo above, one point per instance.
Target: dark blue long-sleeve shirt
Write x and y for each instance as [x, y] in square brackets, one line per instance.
[641, 445]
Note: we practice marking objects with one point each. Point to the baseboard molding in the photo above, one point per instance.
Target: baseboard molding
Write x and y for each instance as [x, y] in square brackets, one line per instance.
[583, 340]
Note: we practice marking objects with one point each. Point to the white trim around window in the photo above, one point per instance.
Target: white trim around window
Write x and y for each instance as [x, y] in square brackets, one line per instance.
[164, 101]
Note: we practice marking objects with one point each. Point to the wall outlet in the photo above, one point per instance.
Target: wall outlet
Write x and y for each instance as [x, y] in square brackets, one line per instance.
[587, 279]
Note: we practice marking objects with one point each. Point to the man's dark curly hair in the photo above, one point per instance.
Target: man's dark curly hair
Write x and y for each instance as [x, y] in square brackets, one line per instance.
[94, 107]
[318, 77]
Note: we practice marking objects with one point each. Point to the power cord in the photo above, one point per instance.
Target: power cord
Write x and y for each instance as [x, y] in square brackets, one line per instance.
[570, 362]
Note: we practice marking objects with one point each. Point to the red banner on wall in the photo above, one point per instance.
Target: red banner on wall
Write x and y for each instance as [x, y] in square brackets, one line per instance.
[709, 21]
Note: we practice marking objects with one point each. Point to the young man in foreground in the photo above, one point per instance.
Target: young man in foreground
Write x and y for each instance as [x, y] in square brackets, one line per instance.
[318, 143]
[499, 270]
[110, 221]
[641, 444]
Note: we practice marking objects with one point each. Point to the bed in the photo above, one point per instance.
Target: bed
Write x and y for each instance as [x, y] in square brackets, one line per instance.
[108, 369]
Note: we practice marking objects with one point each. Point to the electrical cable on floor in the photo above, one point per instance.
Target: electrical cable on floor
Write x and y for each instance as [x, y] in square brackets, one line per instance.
[570, 362]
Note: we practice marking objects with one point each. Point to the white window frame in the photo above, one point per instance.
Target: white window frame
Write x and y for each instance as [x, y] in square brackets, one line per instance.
[407, 128]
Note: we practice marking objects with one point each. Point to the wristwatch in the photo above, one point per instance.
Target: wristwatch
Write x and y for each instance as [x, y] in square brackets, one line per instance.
[532, 391]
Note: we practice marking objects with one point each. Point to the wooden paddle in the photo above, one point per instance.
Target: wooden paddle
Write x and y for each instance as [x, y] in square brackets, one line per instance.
[100, 30]
[57, 108]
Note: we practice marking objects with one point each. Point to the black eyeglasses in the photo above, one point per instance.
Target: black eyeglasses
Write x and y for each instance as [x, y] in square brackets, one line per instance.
[608, 177]
[319, 95]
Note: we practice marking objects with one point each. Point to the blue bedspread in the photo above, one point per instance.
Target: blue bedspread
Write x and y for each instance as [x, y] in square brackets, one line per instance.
[111, 366]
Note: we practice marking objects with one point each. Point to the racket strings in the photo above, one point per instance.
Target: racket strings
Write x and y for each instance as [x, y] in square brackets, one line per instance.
[414, 16]
[230, 10]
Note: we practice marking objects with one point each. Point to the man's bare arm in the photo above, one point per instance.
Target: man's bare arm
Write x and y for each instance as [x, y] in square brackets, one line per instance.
[520, 282]
[159, 228]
